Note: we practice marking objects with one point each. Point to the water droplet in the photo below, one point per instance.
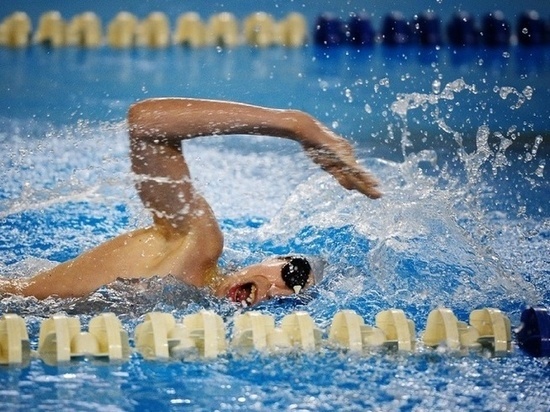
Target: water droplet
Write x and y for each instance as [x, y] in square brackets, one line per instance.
[540, 170]
[528, 92]
[436, 86]
[347, 93]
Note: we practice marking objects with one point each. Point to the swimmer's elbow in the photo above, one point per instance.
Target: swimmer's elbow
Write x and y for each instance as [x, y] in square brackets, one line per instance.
[136, 118]
[156, 118]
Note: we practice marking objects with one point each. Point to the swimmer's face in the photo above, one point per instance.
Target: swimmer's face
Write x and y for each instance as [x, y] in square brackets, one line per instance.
[273, 277]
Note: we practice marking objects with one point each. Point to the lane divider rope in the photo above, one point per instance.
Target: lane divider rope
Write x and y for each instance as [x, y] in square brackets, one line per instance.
[203, 335]
[261, 29]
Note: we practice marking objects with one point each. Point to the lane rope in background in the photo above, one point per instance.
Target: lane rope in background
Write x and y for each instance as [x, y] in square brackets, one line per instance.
[261, 29]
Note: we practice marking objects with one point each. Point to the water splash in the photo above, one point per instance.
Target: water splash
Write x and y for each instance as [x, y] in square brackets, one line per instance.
[406, 102]
[430, 240]
[466, 201]
[522, 96]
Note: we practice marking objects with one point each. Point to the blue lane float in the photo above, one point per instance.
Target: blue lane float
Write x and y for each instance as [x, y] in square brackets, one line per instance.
[534, 333]
[496, 30]
[531, 29]
[396, 30]
[462, 30]
[427, 28]
[329, 30]
[360, 30]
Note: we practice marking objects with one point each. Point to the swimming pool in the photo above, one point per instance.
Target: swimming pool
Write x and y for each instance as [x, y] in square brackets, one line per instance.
[463, 224]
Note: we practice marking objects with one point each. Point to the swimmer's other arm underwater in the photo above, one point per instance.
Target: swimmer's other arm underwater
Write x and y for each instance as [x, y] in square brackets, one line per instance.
[185, 240]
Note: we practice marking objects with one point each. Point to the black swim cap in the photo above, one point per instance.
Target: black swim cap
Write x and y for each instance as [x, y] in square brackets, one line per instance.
[295, 272]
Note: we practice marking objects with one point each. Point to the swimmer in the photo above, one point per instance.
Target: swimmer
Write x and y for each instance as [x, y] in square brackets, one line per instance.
[185, 240]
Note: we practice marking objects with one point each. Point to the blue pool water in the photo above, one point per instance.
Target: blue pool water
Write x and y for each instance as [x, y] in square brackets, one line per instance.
[459, 139]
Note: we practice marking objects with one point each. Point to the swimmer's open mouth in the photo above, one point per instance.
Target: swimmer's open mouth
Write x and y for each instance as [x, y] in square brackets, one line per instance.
[244, 294]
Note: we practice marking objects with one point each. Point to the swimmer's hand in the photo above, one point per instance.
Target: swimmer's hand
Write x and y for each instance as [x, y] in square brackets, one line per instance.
[335, 155]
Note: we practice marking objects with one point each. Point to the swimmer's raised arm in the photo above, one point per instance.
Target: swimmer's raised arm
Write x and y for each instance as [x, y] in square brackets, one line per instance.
[185, 240]
[167, 121]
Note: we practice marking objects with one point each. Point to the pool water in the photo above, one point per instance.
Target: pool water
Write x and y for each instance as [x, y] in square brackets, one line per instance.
[458, 138]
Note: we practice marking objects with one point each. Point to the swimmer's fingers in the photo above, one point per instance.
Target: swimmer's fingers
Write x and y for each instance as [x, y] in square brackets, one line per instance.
[356, 178]
[341, 163]
[362, 181]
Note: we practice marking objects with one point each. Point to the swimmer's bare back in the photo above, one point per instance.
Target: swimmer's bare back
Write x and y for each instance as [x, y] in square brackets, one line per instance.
[185, 240]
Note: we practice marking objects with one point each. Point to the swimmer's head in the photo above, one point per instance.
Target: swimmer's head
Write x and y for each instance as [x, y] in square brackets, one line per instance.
[279, 276]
